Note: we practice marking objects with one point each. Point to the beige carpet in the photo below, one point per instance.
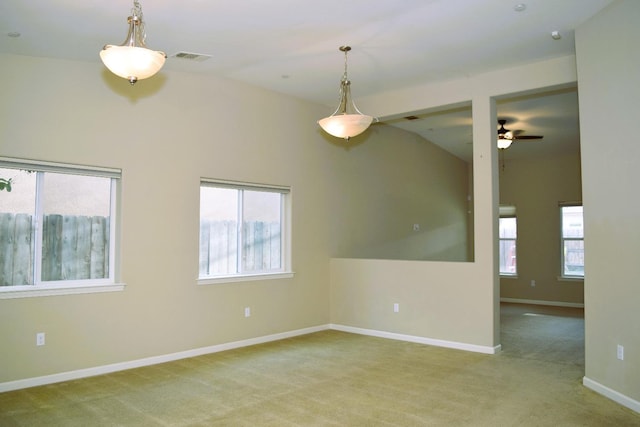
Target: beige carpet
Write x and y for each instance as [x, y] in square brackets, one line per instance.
[337, 379]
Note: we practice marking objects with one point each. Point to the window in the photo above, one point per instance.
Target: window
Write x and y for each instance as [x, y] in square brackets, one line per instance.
[507, 231]
[572, 241]
[243, 232]
[57, 228]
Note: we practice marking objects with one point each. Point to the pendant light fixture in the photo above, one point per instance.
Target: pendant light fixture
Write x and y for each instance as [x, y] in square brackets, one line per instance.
[347, 121]
[132, 60]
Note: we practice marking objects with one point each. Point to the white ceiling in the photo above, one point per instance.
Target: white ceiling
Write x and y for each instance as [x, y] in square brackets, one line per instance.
[552, 115]
[291, 46]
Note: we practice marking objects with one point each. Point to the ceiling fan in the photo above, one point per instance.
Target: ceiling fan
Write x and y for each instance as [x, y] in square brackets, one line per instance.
[506, 137]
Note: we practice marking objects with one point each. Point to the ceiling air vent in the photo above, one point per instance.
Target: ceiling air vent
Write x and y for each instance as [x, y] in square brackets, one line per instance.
[190, 56]
[411, 117]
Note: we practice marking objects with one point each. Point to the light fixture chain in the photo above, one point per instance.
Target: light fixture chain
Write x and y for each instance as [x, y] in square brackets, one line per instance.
[346, 121]
[344, 77]
[137, 11]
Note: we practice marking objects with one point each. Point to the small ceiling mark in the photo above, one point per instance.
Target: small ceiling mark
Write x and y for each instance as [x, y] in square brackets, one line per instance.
[520, 7]
[411, 117]
[190, 56]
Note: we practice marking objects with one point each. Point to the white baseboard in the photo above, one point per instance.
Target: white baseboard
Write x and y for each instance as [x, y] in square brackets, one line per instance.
[115, 367]
[617, 397]
[420, 340]
[107, 369]
[543, 302]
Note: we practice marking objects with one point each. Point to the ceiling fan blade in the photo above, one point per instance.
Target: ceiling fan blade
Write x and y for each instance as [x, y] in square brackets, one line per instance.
[528, 137]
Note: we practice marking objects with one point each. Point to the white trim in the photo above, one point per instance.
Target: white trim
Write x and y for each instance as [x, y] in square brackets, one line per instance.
[64, 287]
[114, 223]
[153, 360]
[244, 278]
[27, 291]
[238, 185]
[570, 279]
[507, 211]
[617, 397]
[38, 231]
[45, 166]
[543, 302]
[285, 229]
[420, 340]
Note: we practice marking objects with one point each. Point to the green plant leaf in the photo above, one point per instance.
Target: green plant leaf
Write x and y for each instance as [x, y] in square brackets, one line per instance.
[5, 184]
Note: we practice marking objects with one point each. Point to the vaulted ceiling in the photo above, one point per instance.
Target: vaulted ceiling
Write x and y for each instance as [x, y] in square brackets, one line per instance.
[291, 46]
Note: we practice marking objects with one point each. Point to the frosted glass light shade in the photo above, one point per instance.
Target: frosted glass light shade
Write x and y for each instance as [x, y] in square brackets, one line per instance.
[131, 62]
[504, 143]
[345, 125]
[347, 121]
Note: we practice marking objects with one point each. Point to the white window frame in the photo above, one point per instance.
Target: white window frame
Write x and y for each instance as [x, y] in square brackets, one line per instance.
[285, 270]
[63, 287]
[508, 212]
[563, 276]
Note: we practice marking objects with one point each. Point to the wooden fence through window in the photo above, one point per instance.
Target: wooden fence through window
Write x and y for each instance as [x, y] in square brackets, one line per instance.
[261, 247]
[73, 248]
[77, 247]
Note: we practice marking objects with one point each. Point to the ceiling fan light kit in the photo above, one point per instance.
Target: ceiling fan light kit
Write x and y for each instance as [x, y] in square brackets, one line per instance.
[504, 143]
[506, 137]
[132, 60]
[346, 121]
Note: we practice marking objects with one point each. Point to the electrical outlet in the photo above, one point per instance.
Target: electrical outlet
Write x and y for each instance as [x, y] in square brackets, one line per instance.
[533, 283]
[620, 352]
[396, 308]
[247, 311]
[416, 227]
[40, 338]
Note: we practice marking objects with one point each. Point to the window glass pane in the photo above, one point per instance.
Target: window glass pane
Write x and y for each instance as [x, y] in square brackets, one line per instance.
[572, 225]
[507, 232]
[261, 250]
[508, 257]
[218, 231]
[17, 211]
[508, 228]
[572, 241]
[241, 230]
[573, 257]
[75, 228]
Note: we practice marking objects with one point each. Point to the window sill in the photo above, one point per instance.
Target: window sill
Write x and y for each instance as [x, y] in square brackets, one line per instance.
[9, 292]
[244, 278]
[508, 276]
[570, 279]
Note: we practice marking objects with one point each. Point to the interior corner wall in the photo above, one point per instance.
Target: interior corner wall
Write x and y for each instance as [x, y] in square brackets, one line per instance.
[165, 133]
[535, 187]
[608, 61]
[450, 301]
[400, 197]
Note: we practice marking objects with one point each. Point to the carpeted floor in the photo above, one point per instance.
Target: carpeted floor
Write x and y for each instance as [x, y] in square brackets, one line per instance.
[333, 378]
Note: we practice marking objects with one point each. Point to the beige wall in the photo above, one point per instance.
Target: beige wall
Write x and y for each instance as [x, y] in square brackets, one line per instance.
[384, 186]
[75, 112]
[165, 134]
[535, 187]
[168, 132]
[456, 302]
[608, 73]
